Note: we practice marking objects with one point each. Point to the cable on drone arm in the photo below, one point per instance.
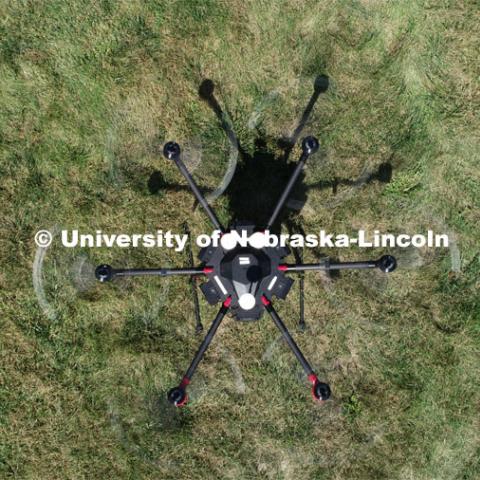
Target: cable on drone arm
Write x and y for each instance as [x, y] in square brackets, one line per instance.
[309, 147]
[320, 390]
[105, 273]
[386, 264]
[171, 150]
[178, 395]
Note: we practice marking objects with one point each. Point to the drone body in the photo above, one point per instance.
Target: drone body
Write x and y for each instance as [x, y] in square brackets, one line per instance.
[245, 278]
[245, 274]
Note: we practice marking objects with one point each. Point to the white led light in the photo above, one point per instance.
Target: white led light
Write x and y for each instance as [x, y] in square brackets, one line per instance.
[246, 301]
[273, 281]
[257, 240]
[220, 284]
[229, 241]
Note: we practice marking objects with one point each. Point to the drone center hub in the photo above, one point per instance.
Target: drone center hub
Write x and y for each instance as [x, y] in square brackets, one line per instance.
[244, 274]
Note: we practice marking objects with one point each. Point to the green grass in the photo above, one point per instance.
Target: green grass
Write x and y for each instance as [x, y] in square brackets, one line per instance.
[89, 91]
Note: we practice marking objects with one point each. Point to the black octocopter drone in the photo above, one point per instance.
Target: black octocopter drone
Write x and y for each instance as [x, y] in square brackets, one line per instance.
[245, 278]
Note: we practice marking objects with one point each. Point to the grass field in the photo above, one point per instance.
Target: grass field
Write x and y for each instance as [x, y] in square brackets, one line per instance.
[90, 91]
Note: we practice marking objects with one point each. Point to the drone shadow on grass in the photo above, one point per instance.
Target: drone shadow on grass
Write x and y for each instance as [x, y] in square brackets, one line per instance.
[261, 176]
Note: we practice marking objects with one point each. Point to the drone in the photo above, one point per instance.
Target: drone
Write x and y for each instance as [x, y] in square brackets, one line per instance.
[244, 278]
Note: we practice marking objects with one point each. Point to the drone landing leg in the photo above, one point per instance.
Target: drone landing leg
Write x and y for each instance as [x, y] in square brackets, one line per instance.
[198, 319]
[320, 390]
[193, 284]
[178, 395]
[301, 324]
